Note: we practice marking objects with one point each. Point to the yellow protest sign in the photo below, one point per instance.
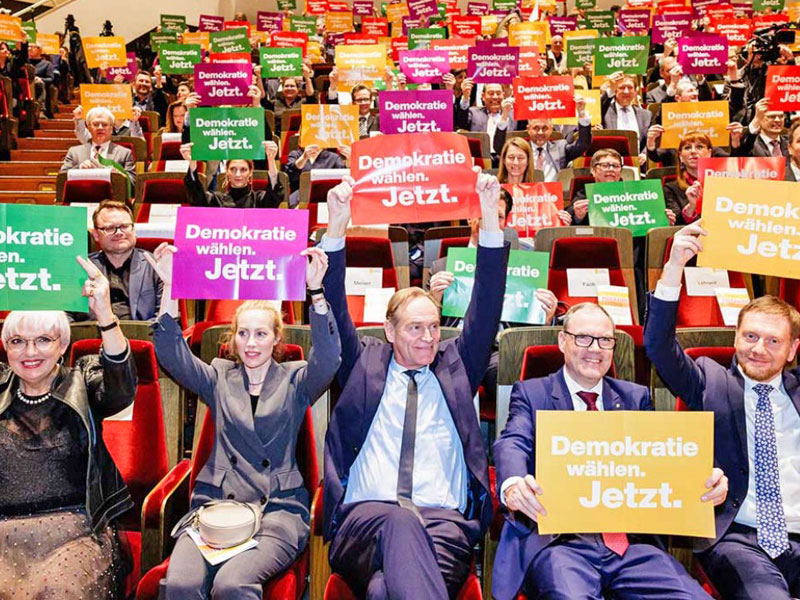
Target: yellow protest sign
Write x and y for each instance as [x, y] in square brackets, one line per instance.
[396, 12]
[359, 63]
[592, 98]
[199, 37]
[314, 52]
[115, 97]
[11, 29]
[528, 33]
[711, 118]
[626, 471]
[48, 42]
[338, 22]
[329, 125]
[753, 226]
[489, 24]
[579, 34]
[109, 50]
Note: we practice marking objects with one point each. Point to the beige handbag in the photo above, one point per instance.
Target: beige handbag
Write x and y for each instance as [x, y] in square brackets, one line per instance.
[223, 523]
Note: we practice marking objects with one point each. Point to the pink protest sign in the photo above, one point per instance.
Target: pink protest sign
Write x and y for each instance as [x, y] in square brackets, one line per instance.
[363, 8]
[269, 21]
[128, 72]
[415, 111]
[240, 254]
[670, 26]
[223, 83]
[420, 9]
[490, 63]
[635, 20]
[210, 23]
[702, 54]
[558, 25]
[477, 8]
[425, 66]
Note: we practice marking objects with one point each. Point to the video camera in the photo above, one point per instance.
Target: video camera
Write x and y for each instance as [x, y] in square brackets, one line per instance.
[767, 41]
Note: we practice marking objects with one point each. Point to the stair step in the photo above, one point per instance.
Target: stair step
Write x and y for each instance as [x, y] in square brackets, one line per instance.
[22, 197]
[38, 143]
[23, 167]
[39, 155]
[56, 124]
[28, 183]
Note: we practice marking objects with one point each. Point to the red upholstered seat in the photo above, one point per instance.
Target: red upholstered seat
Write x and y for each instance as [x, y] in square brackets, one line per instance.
[790, 291]
[170, 151]
[619, 143]
[578, 183]
[372, 252]
[138, 446]
[147, 132]
[163, 191]
[541, 361]
[337, 589]
[86, 190]
[318, 190]
[454, 242]
[132, 148]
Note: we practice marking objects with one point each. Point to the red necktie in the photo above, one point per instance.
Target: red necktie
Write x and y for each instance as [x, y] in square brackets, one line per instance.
[540, 159]
[616, 542]
[776, 148]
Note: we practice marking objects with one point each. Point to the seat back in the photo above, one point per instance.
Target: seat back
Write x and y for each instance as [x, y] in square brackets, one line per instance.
[455, 242]
[372, 252]
[577, 184]
[609, 142]
[137, 445]
[222, 311]
[541, 361]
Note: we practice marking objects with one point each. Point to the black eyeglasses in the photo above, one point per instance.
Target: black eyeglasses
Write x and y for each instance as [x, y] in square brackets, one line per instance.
[112, 229]
[583, 340]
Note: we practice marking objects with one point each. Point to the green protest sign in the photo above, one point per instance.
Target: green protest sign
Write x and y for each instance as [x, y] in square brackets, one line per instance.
[229, 41]
[420, 38]
[227, 133]
[602, 20]
[38, 245]
[584, 4]
[165, 37]
[579, 52]
[762, 5]
[635, 205]
[442, 10]
[526, 272]
[626, 54]
[29, 27]
[303, 25]
[506, 5]
[179, 59]
[383, 8]
[287, 5]
[281, 62]
[173, 23]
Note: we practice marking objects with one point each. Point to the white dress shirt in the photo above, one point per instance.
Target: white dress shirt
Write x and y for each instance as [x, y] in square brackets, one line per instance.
[103, 149]
[549, 168]
[626, 119]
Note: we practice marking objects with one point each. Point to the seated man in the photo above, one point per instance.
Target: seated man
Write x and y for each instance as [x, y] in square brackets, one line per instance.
[763, 136]
[756, 405]
[494, 116]
[406, 476]
[620, 111]
[101, 152]
[571, 566]
[135, 286]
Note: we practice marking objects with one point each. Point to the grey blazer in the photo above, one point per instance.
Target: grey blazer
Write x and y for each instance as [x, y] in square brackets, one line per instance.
[477, 119]
[643, 119]
[253, 458]
[77, 154]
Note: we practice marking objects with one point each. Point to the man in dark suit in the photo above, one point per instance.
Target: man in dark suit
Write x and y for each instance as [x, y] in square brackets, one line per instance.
[762, 137]
[756, 405]
[100, 123]
[493, 117]
[671, 73]
[407, 488]
[620, 112]
[586, 566]
[135, 286]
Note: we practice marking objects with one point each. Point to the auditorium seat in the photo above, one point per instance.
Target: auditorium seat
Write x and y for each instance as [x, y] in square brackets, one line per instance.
[369, 252]
[171, 498]
[454, 242]
[92, 190]
[541, 361]
[337, 589]
[789, 291]
[138, 445]
[314, 187]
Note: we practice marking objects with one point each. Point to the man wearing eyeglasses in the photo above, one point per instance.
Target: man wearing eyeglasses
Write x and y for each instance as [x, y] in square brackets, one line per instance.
[762, 136]
[135, 288]
[589, 566]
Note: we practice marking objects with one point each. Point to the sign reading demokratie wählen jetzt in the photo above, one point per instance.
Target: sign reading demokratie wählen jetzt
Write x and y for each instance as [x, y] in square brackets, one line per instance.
[227, 133]
[753, 226]
[635, 205]
[626, 54]
[625, 470]
[416, 111]
[30, 237]
[408, 178]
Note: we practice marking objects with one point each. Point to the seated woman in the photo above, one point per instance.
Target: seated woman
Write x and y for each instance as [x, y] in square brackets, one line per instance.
[237, 191]
[258, 407]
[682, 195]
[60, 492]
[176, 116]
[290, 96]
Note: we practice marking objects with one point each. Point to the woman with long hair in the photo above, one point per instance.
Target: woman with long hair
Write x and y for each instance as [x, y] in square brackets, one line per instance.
[682, 196]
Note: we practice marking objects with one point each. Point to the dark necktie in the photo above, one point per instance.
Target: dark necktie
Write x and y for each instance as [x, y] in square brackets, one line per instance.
[362, 126]
[776, 148]
[96, 152]
[405, 469]
[616, 542]
[540, 159]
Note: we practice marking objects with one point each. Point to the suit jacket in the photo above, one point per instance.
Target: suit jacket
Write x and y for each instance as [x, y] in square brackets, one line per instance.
[514, 455]
[753, 145]
[789, 174]
[561, 152]
[476, 118]
[459, 366]
[253, 456]
[77, 154]
[327, 159]
[643, 118]
[706, 385]
[657, 94]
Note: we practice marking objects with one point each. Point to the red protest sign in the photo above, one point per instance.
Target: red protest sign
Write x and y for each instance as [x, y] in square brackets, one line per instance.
[465, 26]
[783, 87]
[289, 39]
[408, 178]
[399, 44]
[720, 12]
[742, 167]
[457, 48]
[535, 207]
[316, 7]
[769, 20]
[360, 38]
[230, 57]
[738, 31]
[375, 26]
[529, 65]
[235, 25]
[544, 97]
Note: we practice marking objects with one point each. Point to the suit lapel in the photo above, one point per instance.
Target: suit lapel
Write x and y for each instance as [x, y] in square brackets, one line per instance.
[268, 399]
[736, 400]
[792, 388]
[378, 363]
[441, 369]
[562, 399]
[136, 281]
[612, 400]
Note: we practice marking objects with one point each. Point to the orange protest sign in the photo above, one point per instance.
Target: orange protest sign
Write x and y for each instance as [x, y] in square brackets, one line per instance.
[198, 37]
[544, 97]
[109, 50]
[626, 471]
[11, 29]
[115, 97]
[359, 63]
[409, 178]
[529, 65]
[458, 49]
[528, 34]
[711, 118]
[592, 99]
[314, 52]
[338, 22]
[536, 206]
[49, 42]
[396, 12]
[328, 125]
[489, 24]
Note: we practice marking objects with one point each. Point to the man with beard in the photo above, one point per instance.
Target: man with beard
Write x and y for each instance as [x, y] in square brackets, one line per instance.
[147, 98]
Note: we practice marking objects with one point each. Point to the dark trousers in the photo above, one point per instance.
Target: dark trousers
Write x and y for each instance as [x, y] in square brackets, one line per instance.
[580, 567]
[739, 568]
[383, 551]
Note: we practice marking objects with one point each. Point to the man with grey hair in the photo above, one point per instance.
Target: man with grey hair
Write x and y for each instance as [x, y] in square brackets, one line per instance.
[101, 152]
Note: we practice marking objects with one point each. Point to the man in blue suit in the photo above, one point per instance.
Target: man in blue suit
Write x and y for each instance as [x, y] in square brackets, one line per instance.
[756, 405]
[579, 566]
[406, 477]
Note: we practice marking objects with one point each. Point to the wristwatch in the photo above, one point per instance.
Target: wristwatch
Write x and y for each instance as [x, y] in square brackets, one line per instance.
[316, 291]
[110, 326]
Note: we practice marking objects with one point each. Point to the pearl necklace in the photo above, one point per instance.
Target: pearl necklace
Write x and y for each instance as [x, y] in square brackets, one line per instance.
[30, 402]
